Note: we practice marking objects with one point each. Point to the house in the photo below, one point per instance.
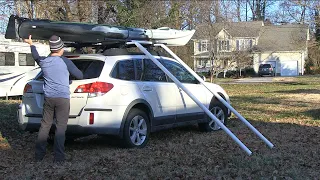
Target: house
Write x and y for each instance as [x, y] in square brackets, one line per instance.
[283, 46]
[232, 45]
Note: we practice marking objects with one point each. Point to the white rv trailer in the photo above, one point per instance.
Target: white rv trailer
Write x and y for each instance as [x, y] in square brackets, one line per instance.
[17, 66]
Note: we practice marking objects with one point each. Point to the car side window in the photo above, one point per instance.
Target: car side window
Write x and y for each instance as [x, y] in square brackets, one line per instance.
[138, 66]
[181, 73]
[124, 70]
[151, 72]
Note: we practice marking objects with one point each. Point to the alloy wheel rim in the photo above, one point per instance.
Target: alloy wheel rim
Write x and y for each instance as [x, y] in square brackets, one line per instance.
[218, 112]
[138, 130]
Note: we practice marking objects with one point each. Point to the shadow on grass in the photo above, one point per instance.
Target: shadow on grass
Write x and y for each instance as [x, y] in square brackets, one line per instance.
[299, 91]
[257, 99]
[292, 83]
[315, 113]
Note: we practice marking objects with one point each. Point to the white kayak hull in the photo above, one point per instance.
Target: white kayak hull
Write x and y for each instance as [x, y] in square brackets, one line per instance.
[170, 37]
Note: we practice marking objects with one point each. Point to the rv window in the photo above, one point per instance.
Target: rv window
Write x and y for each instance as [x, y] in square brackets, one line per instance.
[26, 59]
[7, 59]
[89, 68]
[2, 59]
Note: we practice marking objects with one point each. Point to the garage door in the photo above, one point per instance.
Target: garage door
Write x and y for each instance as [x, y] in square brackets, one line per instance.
[289, 68]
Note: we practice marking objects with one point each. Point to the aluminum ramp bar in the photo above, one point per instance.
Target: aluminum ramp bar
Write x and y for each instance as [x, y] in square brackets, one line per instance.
[217, 96]
[180, 85]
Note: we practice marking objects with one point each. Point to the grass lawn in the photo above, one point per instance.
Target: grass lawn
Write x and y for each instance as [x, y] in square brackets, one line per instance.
[286, 111]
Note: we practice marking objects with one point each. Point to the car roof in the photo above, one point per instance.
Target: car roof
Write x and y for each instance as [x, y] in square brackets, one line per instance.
[100, 57]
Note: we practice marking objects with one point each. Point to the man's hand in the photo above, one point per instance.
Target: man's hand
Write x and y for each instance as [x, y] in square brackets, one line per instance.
[29, 41]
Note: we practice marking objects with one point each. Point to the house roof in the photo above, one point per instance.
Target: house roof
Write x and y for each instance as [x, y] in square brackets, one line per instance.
[235, 29]
[291, 37]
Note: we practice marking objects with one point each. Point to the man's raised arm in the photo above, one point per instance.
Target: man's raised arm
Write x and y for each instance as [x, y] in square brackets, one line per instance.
[73, 70]
[34, 51]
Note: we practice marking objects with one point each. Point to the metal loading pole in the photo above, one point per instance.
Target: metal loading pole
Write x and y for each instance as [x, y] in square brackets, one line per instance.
[179, 84]
[218, 96]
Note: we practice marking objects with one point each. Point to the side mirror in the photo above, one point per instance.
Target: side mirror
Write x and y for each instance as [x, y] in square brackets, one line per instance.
[204, 78]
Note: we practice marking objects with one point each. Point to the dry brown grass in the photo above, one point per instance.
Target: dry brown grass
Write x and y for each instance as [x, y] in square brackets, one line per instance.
[287, 113]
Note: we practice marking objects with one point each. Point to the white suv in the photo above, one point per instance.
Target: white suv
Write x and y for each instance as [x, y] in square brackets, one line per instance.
[127, 95]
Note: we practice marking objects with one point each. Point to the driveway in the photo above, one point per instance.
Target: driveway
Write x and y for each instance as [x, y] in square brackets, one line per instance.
[255, 80]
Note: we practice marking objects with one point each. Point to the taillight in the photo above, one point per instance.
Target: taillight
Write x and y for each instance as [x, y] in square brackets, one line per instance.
[91, 118]
[27, 88]
[270, 69]
[94, 89]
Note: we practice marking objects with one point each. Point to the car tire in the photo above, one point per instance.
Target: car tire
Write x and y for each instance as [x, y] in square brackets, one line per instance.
[220, 111]
[136, 129]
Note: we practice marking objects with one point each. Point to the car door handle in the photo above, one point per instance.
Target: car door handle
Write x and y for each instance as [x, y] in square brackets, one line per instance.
[147, 88]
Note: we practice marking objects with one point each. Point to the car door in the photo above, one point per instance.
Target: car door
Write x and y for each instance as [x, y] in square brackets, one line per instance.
[187, 109]
[158, 92]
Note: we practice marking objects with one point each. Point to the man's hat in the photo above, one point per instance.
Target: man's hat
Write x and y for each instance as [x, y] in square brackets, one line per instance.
[55, 43]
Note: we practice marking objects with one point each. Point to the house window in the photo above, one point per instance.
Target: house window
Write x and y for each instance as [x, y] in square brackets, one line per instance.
[201, 63]
[203, 46]
[243, 44]
[224, 45]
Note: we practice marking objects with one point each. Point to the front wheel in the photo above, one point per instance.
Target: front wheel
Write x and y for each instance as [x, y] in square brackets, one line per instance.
[136, 129]
[219, 111]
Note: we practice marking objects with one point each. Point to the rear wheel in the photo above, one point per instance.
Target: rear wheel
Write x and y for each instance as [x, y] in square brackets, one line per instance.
[218, 110]
[136, 129]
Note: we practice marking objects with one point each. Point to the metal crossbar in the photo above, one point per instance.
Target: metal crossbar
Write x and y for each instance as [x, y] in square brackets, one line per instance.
[213, 117]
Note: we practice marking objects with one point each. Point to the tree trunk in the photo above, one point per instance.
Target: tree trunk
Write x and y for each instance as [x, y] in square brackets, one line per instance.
[68, 11]
[239, 10]
[101, 12]
[258, 10]
[217, 11]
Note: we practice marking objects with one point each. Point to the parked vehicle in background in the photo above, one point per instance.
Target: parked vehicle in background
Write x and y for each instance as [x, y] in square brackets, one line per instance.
[127, 95]
[266, 69]
[17, 66]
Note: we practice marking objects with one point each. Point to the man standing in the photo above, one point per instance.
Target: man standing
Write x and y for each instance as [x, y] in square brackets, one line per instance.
[55, 69]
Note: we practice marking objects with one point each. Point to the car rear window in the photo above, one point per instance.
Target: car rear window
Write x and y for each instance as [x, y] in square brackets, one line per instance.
[265, 65]
[89, 68]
